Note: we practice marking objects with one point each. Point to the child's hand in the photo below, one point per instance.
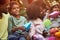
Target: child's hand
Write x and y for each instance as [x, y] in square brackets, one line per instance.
[18, 28]
[14, 29]
[21, 28]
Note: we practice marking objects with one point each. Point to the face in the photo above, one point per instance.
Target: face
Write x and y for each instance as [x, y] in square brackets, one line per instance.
[7, 7]
[15, 9]
[56, 8]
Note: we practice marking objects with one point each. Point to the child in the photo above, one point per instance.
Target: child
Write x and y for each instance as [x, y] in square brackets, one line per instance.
[37, 27]
[54, 16]
[3, 21]
[3, 26]
[16, 31]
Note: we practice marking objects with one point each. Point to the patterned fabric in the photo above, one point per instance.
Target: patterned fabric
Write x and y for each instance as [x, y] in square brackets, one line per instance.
[36, 27]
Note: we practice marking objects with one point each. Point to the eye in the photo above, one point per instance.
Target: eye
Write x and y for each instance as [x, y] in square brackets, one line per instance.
[56, 7]
[18, 7]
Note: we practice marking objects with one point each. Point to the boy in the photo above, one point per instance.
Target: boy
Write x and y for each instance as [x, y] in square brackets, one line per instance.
[15, 22]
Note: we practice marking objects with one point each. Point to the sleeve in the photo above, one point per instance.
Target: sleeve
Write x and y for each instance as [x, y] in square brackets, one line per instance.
[10, 26]
[40, 29]
[25, 20]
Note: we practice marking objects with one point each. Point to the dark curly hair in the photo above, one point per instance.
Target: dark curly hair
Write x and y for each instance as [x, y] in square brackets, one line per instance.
[33, 12]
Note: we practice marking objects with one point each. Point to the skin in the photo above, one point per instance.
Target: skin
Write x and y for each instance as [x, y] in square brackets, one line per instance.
[15, 12]
[56, 8]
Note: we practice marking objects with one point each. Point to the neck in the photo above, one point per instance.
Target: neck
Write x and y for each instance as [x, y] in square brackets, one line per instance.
[17, 16]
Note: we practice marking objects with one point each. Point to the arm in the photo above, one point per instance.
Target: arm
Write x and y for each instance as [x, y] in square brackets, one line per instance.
[13, 28]
[10, 26]
[40, 29]
[17, 28]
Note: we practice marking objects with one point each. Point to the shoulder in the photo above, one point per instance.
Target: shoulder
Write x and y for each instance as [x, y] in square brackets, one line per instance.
[10, 17]
[6, 14]
[22, 17]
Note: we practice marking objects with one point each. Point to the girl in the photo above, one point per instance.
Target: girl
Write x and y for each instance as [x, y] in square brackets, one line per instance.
[37, 27]
[16, 31]
[54, 16]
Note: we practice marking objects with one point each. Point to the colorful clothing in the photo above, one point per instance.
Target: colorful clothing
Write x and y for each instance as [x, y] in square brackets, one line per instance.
[38, 37]
[37, 27]
[55, 19]
[55, 22]
[47, 24]
[51, 38]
